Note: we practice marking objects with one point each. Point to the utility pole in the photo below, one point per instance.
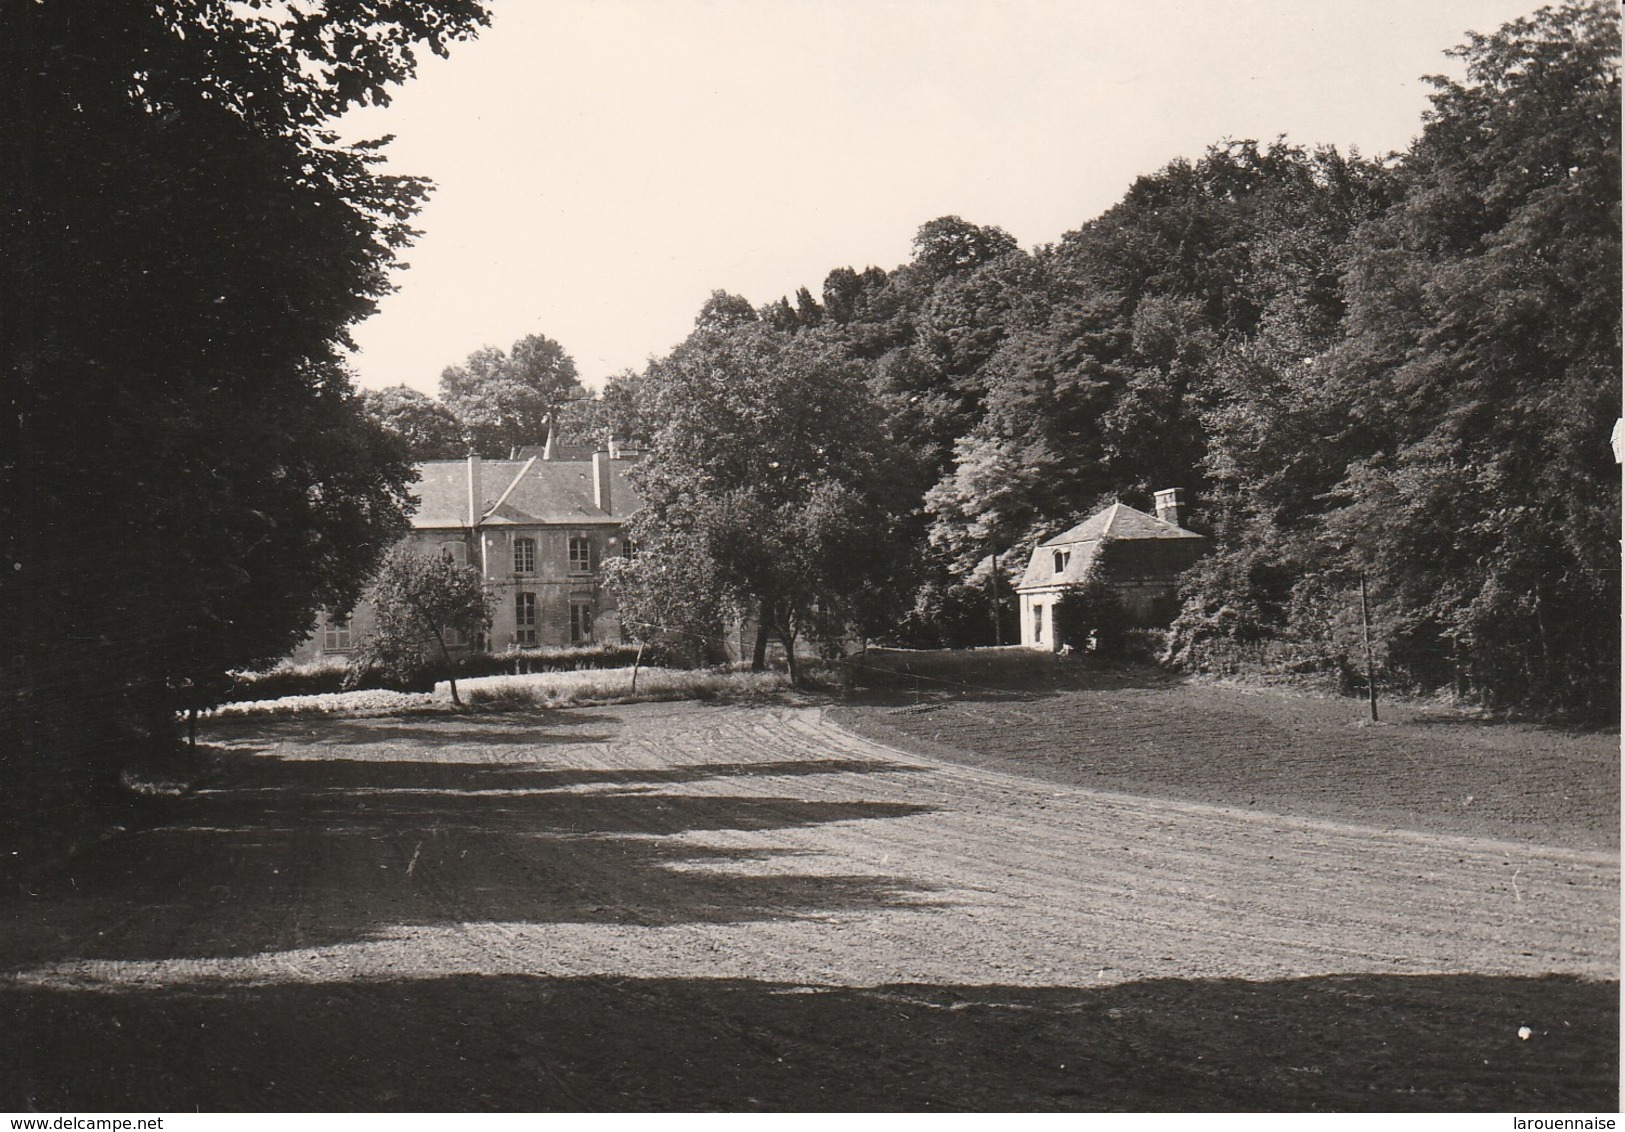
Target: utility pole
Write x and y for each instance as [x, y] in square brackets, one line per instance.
[998, 622]
[1370, 666]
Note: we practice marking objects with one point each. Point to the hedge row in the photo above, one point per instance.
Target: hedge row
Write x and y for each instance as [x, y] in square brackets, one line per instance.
[336, 675]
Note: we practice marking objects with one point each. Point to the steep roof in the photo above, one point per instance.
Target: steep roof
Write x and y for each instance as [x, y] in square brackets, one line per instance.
[1120, 521]
[529, 492]
[1081, 545]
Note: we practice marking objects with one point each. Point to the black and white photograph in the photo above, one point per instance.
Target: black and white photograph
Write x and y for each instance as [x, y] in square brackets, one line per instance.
[786, 557]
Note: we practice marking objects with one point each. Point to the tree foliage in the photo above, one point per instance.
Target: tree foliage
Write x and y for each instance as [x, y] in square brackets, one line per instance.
[184, 471]
[668, 595]
[1401, 370]
[1486, 364]
[505, 399]
[429, 430]
[768, 464]
[1090, 618]
[421, 602]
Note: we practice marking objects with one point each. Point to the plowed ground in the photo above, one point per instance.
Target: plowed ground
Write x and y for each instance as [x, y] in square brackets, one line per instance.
[727, 907]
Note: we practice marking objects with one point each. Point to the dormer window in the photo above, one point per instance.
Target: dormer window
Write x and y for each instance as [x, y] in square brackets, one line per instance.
[1062, 557]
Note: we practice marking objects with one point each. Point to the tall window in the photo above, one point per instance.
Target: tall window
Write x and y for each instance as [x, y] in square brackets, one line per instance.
[524, 556]
[580, 554]
[336, 634]
[524, 618]
[1038, 624]
[1062, 557]
[580, 622]
[629, 549]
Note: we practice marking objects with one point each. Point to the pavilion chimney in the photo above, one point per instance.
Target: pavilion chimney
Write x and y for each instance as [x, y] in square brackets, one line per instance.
[600, 481]
[476, 494]
[1170, 503]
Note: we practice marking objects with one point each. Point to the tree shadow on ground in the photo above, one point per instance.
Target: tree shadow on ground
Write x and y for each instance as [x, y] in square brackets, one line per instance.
[286, 853]
[472, 1043]
[425, 731]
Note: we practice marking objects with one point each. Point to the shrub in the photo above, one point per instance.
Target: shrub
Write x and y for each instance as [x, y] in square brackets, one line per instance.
[1092, 612]
[330, 675]
[612, 685]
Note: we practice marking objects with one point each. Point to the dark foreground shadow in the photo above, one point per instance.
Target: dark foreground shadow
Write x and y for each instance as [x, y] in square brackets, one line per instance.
[1341, 1043]
[280, 854]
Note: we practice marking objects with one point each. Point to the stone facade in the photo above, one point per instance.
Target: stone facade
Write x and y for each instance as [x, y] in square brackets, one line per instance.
[539, 530]
[1148, 555]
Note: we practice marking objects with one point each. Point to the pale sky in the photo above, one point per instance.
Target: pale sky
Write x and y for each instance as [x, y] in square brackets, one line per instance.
[604, 165]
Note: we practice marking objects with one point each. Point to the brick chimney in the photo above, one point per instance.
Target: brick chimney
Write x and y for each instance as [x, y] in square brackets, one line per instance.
[476, 494]
[600, 481]
[1170, 503]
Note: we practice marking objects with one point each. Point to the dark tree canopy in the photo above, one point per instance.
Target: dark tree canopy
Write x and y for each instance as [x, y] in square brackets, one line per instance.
[768, 463]
[723, 310]
[429, 430]
[1402, 370]
[185, 248]
[948, 244]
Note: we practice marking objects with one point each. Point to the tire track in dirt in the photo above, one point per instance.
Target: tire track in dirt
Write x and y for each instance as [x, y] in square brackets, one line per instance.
[687, 841]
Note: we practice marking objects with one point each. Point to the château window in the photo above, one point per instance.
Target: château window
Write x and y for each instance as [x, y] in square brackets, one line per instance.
[524, 556]
[1038, 624]
[524, 618]
[336, 634]
[580, 622]
[580, 554]
[1062, 557]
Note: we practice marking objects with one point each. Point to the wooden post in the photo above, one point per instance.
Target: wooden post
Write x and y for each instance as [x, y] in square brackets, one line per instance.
[636, 664]
[998, 622]
[1370, 665]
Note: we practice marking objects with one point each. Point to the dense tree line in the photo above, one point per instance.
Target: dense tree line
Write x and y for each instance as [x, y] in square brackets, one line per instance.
[1402, 370]
[185, 472]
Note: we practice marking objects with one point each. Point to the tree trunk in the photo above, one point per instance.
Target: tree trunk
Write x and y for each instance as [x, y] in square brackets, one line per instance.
[451, 667]
[758, 657]
[789, 641]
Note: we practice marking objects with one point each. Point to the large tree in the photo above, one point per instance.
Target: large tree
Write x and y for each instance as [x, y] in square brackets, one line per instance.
[769, 460]
[422, 603]
[429, 430]
[185, 473]
[1447, 440]
[1482, 364]
[505, 399]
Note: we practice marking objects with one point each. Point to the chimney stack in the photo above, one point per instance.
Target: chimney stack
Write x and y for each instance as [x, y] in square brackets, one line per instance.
[600, 481]
[476, 494]
[1170, 503]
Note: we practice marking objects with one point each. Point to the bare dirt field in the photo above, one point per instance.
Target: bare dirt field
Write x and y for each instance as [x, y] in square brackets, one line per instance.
[699, 906]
